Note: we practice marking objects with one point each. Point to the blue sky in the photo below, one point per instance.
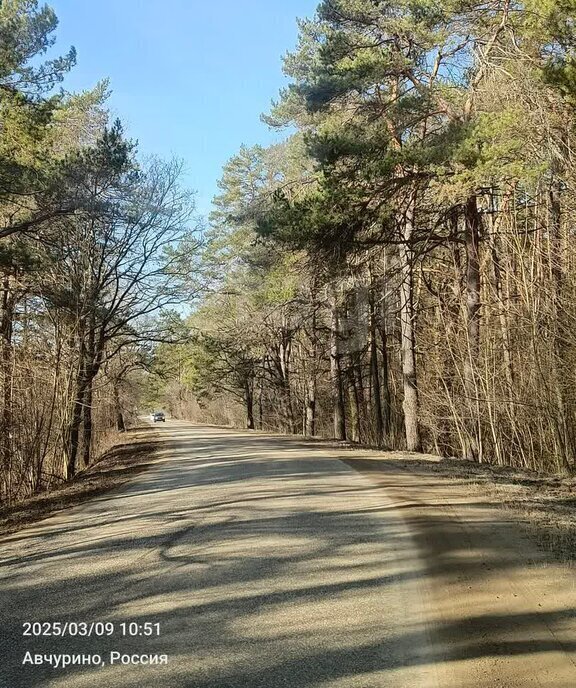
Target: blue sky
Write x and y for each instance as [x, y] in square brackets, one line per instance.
[189, 77]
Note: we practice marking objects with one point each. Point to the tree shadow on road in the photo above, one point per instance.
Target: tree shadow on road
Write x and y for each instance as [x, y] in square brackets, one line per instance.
[243, 587]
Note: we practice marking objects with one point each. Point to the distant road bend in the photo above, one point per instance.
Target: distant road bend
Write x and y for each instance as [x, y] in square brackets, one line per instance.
[268, 562]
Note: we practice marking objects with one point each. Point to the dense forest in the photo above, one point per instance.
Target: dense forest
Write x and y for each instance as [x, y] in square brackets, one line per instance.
[95, 247]
[399, 270]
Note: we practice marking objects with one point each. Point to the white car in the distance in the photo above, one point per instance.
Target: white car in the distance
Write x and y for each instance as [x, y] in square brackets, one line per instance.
[157, 416]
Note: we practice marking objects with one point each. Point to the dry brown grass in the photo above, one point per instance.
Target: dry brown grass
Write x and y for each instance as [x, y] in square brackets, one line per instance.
[543, 505]
[134, 454]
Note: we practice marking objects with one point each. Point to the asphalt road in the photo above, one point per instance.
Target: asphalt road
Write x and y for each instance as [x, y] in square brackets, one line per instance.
[263, 561]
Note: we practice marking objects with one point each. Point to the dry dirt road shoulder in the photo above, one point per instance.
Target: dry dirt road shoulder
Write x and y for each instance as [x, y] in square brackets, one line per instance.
[502, 609]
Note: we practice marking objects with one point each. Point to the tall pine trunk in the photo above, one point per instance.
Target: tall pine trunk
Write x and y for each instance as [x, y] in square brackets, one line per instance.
[374, 370]
[249, 402]
[87, 425]
[561, 336]
[473, 439]
[285, 353]
[311, 382]
[76, 422]
[6, 419]
[336, 372]
[355, 397]
[410, 404]
[92, 368]
[310, 408]
[120, 424]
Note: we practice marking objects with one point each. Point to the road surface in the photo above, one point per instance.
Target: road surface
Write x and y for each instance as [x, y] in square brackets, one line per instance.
[264, 561]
